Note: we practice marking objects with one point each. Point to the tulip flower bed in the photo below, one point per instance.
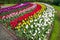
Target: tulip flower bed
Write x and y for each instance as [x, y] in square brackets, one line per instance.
[31, 21]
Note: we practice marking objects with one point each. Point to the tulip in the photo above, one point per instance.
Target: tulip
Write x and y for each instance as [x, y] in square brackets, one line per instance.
[13, 7]
[16, 13]
[0, 17]
[27, 15]
[13, 24]
[19, 24]
[3, 17]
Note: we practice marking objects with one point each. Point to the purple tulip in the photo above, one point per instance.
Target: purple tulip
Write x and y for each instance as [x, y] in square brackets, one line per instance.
[14, 7]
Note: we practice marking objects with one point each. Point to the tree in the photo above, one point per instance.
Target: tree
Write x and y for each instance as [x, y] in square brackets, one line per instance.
[56, 2]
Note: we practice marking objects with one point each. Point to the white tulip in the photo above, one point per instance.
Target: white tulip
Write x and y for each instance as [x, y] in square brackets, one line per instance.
[26, 26]
[38, 28]
[43, 28]
[39, 32]
[31, 21]
[35, 20]
[35, 31]
[39, 38]
[34, 34]
[31, 26]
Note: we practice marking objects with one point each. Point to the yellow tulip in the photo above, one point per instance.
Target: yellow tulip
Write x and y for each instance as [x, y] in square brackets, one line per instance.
[19, 23]
[39, 14]
[28, 22]
[30, 18]
[16, 27]
[35, 16]
[22, 25]
[23, 21]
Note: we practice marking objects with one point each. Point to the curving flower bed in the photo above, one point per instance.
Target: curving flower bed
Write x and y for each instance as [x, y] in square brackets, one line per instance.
[32, 22]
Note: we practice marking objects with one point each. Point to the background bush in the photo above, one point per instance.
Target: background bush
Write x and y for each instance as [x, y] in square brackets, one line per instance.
[56, 2]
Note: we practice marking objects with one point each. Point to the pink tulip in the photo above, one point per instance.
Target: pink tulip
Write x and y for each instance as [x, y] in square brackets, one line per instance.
[3, 17]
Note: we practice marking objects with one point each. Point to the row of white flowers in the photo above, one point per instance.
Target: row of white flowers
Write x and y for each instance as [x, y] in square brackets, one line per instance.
[41, 24]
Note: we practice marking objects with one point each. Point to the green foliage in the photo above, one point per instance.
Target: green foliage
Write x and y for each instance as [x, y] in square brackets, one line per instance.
[56, 2]
[56, 30]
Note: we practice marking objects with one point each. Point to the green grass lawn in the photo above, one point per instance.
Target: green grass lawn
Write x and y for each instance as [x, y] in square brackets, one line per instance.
[55, 35]
[9, 4]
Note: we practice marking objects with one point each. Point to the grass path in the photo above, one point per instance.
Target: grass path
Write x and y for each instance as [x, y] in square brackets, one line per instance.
[55, 35]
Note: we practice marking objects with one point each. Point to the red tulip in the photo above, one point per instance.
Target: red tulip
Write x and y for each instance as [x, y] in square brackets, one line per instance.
[25, 16]
[13, 24]
[0, 17]
[20, 18]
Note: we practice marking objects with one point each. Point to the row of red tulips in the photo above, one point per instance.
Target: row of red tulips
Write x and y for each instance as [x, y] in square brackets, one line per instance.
[14, 22]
